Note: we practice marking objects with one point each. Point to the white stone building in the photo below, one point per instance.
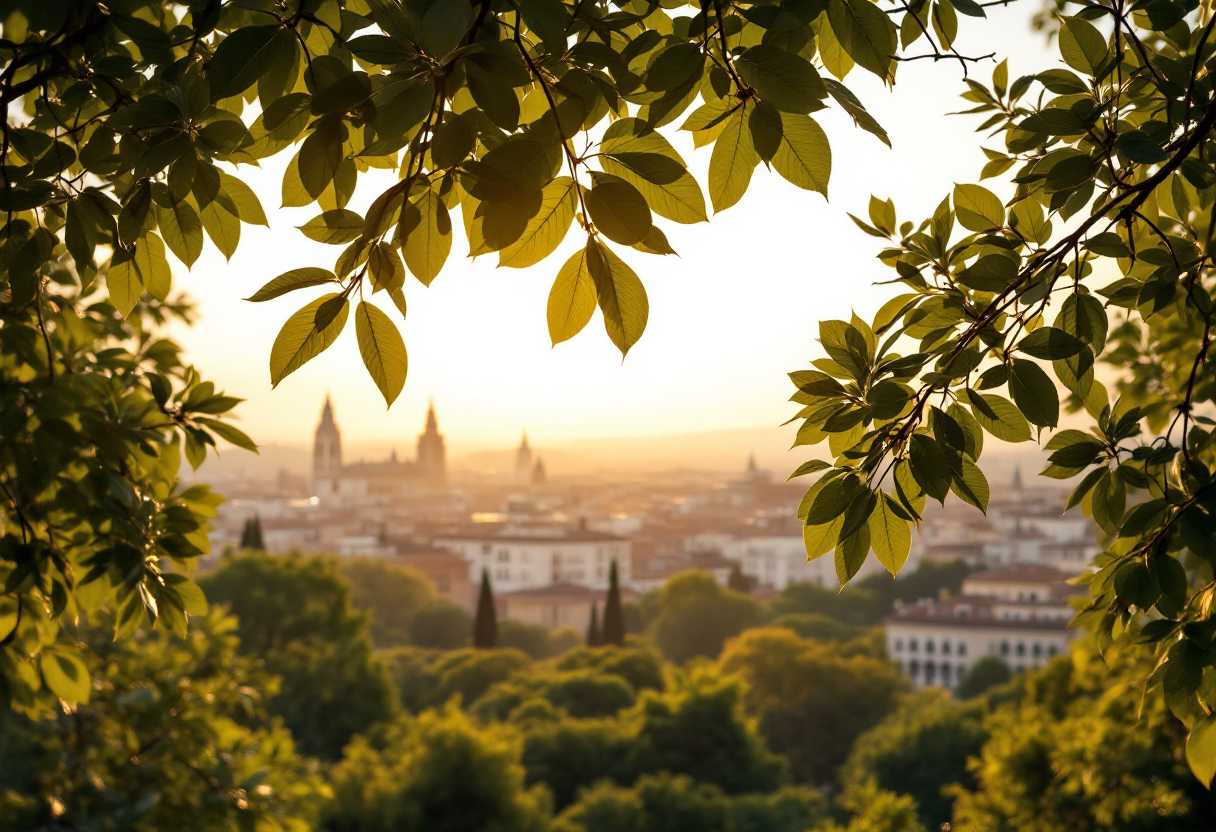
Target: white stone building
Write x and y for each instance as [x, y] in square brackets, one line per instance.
[777, 559]
[528, 557]
[1019, 613]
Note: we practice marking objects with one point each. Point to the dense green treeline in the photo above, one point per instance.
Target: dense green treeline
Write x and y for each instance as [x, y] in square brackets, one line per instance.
[301, 702]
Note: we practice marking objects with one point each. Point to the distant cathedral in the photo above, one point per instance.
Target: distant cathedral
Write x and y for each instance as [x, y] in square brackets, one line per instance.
[331, 477]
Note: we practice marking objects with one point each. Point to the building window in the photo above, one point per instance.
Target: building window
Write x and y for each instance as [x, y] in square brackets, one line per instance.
[502, 574]
[1004, 648]
[930, 674]
[946, 648]
[962, 648]
[912, 645]
[1052, 650]
[929, 646]
[914, 668]
[1021, 649]
[962, 672]
[1037, 650]
[485, 548]
[504, 556]
[899, 645]
[945, 674]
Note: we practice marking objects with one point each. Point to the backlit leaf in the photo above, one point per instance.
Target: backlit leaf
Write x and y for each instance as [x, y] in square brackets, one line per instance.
[382, 348]
[299, 342]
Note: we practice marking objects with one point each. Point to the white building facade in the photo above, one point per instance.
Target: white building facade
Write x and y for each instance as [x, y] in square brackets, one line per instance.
[1019, 614]
[526, 558]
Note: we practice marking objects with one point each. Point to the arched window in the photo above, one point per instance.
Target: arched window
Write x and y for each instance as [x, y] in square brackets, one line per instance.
[929, 646]
[962, 648]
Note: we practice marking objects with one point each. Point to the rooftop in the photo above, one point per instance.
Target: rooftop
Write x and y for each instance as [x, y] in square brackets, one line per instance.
[531, 535]
[971, 612]
[1022, 573]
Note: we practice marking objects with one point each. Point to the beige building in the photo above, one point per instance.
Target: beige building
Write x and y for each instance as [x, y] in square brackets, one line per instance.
[1019, 613]
[523, 557]
[448, 572]
[553, 606]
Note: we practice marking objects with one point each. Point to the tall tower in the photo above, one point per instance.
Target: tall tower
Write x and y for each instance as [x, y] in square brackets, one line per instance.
[327, 447]
[432, 456]
[523, 461]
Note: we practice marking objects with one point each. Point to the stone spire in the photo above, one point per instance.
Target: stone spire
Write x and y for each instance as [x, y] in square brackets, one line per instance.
[327, 446]
[432, 453]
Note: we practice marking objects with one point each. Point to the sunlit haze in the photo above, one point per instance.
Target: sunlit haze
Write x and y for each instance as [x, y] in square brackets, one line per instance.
[729, 317]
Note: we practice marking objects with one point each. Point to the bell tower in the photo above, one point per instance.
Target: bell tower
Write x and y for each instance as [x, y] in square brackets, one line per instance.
[432, 455]
[326, 451]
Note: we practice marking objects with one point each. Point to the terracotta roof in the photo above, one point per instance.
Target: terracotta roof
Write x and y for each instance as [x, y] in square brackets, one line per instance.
[541, 537]
[1024, 573]
[970, 612]
[564, 590]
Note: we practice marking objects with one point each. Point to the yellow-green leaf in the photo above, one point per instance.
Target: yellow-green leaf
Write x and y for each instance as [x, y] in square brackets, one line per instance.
[622, 298]
[866, 33]
[122, 279]
[425, 235]
[182, 230]
[292, 280]
[299, 342]
[890, 535]
[66, 675]
[1201, 750]
[382, 348]
[732, 162]
[245, 200]
[546, 230]
[977, 208]
[804, 156]
[572, 298]
[619, 211]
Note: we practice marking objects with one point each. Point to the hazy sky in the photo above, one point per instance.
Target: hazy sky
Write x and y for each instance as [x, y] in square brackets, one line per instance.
[728, 318]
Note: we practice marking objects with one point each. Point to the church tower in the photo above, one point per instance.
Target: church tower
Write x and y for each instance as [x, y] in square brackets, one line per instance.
[327, 448]
[523, 461]
[432, 456]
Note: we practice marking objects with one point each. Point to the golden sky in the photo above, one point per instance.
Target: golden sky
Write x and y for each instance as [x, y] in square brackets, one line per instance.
[735, 312]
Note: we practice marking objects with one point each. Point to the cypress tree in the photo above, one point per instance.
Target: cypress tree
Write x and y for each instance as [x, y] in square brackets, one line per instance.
[251, 534]
[594, 636]
[614, 619]
[485, 626]
[738, 581]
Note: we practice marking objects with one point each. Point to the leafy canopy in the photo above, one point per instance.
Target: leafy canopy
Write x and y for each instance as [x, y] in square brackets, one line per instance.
[127, 123]
[1102, 252]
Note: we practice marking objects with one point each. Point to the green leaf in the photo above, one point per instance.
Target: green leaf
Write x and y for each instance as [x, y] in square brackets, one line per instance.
[123, 281]
[299, 341]
[246, 201]
[621, 295]
[732, 162]
[242, 57]
[292, 280]
[930, 466]
[548, 20]
[890, 534]
[784, 80]
[670, 190]
[1201, 750]
[546, 230]
[1082, 46]
[153, 267]
[382, 349]
[182, 231]
[999, 416]
[851, 554]
[425, 236]
[1034, 393]
[1050, 344]
[804, 156]
[655, 242]
[853, 106]
[572, 298]
[866, 34]
[66, 675]
[618, 211]
[334, 227]
[444, 26]
[223, 227]
[977, 208]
